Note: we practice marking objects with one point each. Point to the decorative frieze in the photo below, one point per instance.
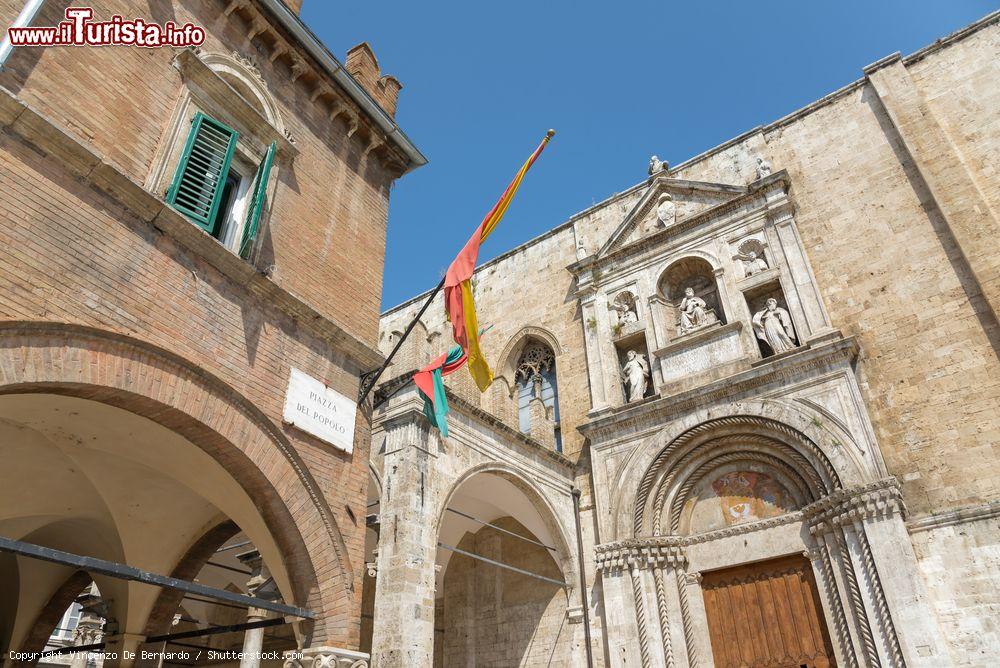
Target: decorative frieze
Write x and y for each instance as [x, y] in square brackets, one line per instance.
[642, 554]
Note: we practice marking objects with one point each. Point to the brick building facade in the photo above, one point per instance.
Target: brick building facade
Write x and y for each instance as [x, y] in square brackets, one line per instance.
[181, 229]
[808, 481]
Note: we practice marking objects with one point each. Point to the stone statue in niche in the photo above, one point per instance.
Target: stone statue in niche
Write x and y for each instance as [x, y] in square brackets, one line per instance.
[751, 256]
[763, 167]
[635, 375]
[656, 165]
[694, 313]
[581, 247]
[773, 325]
[752, 263]
[624, 306]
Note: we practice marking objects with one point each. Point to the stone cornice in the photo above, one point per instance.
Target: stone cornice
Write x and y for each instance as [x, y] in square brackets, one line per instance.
[92, 169]
[984, 511]
[651, 412]
[665, 550]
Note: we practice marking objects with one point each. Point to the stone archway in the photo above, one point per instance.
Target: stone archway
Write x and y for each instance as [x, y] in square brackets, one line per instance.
[487, 612]
[522, 487]
[698, 507]
[40, 360]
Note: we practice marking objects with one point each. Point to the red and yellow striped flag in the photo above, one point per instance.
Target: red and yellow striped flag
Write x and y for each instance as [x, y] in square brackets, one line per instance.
[458, 299]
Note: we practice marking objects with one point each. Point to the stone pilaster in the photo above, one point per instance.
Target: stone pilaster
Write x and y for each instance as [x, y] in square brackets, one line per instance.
[404, 594]
[598, 396]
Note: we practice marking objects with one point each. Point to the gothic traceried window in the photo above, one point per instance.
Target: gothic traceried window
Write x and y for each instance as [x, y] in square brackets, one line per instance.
[536, 377]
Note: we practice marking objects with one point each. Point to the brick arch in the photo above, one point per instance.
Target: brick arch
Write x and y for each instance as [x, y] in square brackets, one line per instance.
[46, 620]
[88, 363]
[194, 559]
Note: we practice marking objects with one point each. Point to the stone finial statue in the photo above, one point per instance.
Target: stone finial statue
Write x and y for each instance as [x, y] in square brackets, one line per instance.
[694, 312]
[635, 375]
[763, 167]
[581, 247]
[656, 165]
[773, 325]
[752, 264]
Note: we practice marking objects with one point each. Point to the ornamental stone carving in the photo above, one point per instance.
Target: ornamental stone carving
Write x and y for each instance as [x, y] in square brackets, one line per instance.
[624, 305]
[536, 359]
[751, 255]
[326, 657]
[666, 210]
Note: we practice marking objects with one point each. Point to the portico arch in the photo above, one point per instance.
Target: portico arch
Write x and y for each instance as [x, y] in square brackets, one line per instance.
[163, 396]
[545, 523]
[494, 520]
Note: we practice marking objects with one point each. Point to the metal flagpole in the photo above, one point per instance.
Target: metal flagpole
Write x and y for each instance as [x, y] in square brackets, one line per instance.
[369, 379]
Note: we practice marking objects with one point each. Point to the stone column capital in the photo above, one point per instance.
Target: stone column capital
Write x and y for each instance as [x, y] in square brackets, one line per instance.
[326, 657]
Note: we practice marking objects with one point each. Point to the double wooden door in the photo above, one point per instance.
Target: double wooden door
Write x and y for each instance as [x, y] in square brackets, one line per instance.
[766, 615]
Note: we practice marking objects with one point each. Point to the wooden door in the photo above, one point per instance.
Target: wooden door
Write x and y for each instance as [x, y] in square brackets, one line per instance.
[766, 615]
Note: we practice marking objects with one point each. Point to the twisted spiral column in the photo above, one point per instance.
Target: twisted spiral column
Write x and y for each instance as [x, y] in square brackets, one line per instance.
[640, 617]
[839, 619]
[881, 606]
[857, 602]
[689, 640]
[661, 607]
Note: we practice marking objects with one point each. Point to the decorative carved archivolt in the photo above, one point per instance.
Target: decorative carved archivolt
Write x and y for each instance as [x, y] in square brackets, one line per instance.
[781, 440]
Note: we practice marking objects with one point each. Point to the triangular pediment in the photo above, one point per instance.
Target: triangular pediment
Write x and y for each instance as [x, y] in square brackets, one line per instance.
[688, 199]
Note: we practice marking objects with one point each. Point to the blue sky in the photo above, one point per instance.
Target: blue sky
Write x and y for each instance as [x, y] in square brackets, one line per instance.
[618, 81]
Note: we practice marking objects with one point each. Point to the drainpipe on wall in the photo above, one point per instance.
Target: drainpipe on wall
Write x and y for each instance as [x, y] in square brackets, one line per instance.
[23, 19]
[583, 576]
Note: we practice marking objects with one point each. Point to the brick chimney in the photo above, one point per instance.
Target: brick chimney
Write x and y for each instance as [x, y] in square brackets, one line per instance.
[294, 5]
[363, 66]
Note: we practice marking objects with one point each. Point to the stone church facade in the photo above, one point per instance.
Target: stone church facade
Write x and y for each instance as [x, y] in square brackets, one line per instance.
[745, 412]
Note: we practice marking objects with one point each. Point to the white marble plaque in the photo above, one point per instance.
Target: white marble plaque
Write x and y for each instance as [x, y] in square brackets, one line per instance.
[318, 410]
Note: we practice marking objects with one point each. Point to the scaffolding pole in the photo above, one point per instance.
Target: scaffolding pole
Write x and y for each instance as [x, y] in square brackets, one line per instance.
[123, 572]
[500, 564]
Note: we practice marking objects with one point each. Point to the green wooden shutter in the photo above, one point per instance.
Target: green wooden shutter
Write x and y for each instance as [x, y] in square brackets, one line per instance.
[201, 173]
[256, 203]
